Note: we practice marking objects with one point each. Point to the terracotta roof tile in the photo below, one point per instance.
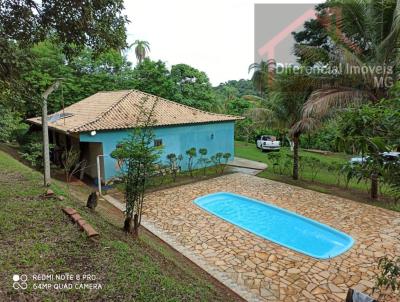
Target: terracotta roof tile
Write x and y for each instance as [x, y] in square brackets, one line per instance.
[122, 109]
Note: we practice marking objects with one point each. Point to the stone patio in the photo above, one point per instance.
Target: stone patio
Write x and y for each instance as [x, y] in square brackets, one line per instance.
[259, 269]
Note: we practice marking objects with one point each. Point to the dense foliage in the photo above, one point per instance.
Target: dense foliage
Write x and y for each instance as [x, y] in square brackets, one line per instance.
[99, 24]
[370, 131]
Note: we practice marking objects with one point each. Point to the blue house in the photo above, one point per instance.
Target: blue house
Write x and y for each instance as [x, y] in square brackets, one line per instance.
[98, 123]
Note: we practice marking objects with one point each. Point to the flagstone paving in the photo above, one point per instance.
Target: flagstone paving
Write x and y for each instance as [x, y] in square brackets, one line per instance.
[268, 270]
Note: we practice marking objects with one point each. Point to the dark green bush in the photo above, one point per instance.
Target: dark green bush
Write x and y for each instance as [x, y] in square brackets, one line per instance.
[32, 148]
[11, 126]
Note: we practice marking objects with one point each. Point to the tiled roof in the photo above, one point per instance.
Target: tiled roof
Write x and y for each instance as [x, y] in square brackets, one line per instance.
[123, 109]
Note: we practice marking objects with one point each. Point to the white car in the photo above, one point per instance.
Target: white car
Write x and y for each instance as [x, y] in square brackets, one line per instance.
[388, 156]
[268, 143]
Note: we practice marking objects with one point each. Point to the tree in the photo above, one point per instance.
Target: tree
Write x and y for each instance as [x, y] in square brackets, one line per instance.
[153, 77]
[365, 53]
[370, 130]
[289, 91]
[83, 75]
[236, 89]
[192, 87]
[73, 24]
[98, 25]
[261, 76]
[315, 34]
[10, 125]
[48, 65]
[137, 157]
[141, 49]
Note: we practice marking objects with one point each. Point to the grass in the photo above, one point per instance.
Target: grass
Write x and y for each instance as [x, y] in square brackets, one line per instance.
[37, 237]
[325, 181]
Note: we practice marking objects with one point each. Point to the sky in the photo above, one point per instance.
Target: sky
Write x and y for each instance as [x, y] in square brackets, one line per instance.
[215, 36]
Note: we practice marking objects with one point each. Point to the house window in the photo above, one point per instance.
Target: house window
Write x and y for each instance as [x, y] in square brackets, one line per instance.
[157, 142]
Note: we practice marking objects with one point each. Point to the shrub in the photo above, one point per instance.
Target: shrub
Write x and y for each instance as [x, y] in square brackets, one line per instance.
[203, 160]
[191, 153]
[280, 162]
[226, 156]
[32, 148]
[314, 164]
[389, 277]
[11, 126]
[334, 168]
[174, 164]
[216, 160]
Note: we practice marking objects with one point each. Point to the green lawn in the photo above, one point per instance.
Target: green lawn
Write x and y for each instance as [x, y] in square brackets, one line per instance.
[326, 179]
[250, 151]
[36, 237]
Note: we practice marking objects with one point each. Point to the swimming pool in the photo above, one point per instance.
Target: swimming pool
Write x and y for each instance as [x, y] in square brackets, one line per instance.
[283, 227]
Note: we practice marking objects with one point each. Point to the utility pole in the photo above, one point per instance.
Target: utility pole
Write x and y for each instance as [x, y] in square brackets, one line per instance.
[46, 152]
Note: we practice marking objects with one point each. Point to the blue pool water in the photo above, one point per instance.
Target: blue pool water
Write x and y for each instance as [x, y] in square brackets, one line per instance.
[283, 227]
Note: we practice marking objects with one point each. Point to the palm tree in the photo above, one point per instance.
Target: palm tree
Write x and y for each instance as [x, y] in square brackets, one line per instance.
[141, 49]
[283, 110]
[262, 75]
[366, 48]
[288, 98]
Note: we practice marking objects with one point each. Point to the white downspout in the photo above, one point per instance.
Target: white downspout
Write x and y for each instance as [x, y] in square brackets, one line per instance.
[99, 171]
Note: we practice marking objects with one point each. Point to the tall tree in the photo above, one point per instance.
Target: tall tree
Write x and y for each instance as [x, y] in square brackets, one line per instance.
[290, 93]
[99, 24]
[154, 77]
[261, 76]
[83, 75]
[141, 49]
[365, 37]
[193, 86]
[283, 109]
[371, 130]
[315, 34]
[72, 25]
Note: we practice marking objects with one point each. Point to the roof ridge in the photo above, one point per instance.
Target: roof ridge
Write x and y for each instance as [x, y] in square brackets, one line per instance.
[183, 105]
[98, 117]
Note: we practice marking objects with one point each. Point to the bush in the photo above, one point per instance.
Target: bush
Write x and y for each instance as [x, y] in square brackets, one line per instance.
[191, 153]
[280, 162]
[32, 148]
[314, 164]
[323, 139]
[11, 126]
[174, 164]
[203, 160]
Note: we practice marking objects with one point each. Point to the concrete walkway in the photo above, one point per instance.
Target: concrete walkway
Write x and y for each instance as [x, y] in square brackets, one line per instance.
[247, 163]
[246, 166]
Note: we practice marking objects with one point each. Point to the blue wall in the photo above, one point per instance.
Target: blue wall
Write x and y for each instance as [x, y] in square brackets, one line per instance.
[216, 137]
